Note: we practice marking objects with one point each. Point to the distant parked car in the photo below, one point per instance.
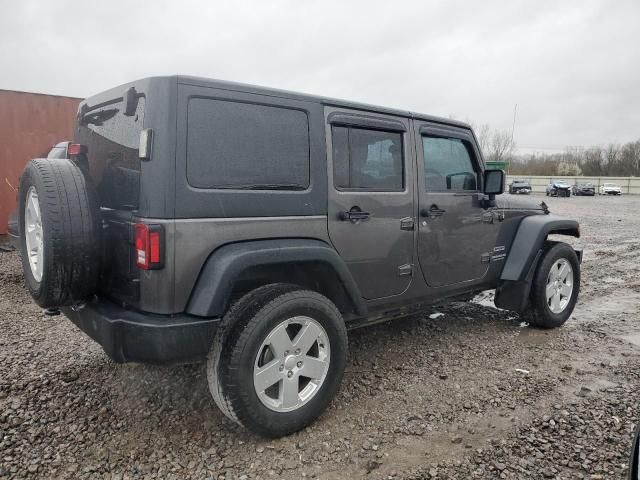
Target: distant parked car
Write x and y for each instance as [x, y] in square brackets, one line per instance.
[520, 186]
[59, 150]
[559, 188]
[583, 189]
[610, 189]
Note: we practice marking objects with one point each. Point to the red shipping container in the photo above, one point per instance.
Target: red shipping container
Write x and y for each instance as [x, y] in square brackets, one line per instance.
[30, 124]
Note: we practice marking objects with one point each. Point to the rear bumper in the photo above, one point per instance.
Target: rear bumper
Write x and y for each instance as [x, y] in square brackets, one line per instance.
[129, 336]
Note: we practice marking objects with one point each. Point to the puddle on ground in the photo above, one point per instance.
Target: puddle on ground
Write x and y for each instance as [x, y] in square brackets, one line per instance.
[634, 339]
[534, 336]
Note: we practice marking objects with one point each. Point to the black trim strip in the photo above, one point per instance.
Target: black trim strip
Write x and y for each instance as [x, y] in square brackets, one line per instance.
[354, 120]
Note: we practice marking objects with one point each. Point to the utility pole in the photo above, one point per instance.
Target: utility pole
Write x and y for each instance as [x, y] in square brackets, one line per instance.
[513, 127]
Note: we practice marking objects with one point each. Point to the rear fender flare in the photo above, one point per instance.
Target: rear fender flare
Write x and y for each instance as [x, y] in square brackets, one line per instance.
[212, 292]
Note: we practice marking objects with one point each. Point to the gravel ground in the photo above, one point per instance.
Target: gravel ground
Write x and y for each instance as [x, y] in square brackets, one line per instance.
[472, 393]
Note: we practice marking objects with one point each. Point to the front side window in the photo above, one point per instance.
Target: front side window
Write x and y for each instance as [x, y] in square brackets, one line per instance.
[448, 165]
[366, 159]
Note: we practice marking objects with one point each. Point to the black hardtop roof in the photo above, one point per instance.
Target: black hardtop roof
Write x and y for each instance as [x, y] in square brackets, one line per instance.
[144, 83]
[241, 87]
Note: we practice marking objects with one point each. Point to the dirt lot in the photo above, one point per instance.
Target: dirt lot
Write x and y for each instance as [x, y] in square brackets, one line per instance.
[445, 397]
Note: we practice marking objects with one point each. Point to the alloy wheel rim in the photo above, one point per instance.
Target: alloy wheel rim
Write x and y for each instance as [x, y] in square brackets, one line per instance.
[559, 286]
[34, 234]
[291, 364]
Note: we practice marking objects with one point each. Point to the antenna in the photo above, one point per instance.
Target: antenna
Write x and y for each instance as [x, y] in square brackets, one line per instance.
[513, 127]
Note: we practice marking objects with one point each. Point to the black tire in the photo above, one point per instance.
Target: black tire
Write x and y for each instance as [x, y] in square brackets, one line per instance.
[70, 232]
[539, 314]
[232, 357]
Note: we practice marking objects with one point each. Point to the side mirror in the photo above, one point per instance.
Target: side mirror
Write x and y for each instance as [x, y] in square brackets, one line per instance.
[493, 182]
[634, 463]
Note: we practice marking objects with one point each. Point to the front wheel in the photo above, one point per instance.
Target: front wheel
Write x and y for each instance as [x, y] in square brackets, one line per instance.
[555, 287]
[278, 359]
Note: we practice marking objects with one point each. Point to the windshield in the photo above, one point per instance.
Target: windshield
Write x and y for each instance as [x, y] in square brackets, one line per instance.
[610, 185]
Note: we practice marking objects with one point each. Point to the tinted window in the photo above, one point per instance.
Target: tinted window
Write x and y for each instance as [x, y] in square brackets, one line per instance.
[367, 159]
[241, 145]
[448, 165]
[113, 140]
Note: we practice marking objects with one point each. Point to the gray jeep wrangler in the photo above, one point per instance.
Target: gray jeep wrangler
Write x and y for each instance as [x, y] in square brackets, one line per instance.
[203, 220]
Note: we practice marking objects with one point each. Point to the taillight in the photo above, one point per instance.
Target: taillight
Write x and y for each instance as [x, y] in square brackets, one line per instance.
[76, 149]
[148, 244]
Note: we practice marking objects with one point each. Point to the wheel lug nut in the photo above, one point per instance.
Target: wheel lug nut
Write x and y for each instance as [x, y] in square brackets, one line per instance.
[299, 364]
[286, 352]
[297, 351]
[289, 374]
[281, 367]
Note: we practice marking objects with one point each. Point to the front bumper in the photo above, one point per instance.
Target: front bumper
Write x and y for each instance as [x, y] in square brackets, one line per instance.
[130, 336]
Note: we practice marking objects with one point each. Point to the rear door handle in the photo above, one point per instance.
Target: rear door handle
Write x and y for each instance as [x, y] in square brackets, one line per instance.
[354, 215]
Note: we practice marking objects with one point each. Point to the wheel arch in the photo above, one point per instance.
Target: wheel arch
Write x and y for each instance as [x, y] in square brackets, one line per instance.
[234, 269]
[527, 248]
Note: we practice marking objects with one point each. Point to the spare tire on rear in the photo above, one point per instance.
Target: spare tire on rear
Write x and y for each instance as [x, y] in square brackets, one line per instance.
[59, 222]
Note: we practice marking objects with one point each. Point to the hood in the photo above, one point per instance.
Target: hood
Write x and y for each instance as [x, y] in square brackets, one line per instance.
[514, 202]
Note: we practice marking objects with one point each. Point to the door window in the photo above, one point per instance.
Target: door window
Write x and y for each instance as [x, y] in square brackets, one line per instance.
[448, 165]
[367, 159]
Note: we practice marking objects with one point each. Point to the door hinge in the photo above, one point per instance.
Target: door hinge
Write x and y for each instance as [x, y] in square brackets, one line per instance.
[405, 270]
[407, 223]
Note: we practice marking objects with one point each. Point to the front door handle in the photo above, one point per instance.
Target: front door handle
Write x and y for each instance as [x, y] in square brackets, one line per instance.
[354, 215]
[432, 212]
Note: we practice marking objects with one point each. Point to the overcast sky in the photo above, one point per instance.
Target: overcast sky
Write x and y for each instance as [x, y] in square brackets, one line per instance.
[573, 67]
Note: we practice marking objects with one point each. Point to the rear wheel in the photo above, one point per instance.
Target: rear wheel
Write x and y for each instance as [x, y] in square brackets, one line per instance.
[555, 287]
[278, 360]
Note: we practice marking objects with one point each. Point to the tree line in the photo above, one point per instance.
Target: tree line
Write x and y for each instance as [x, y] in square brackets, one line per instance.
[614, 160]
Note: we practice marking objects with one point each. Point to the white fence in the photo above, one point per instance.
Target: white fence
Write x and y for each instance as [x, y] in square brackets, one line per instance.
[539, 183]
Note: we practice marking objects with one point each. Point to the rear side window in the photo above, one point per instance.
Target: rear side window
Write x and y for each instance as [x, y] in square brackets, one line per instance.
[366, 159]
[246, 146]
[448, 165]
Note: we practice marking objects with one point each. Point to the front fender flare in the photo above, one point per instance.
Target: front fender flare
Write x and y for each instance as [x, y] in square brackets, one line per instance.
[526, 250]
[211, 294]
